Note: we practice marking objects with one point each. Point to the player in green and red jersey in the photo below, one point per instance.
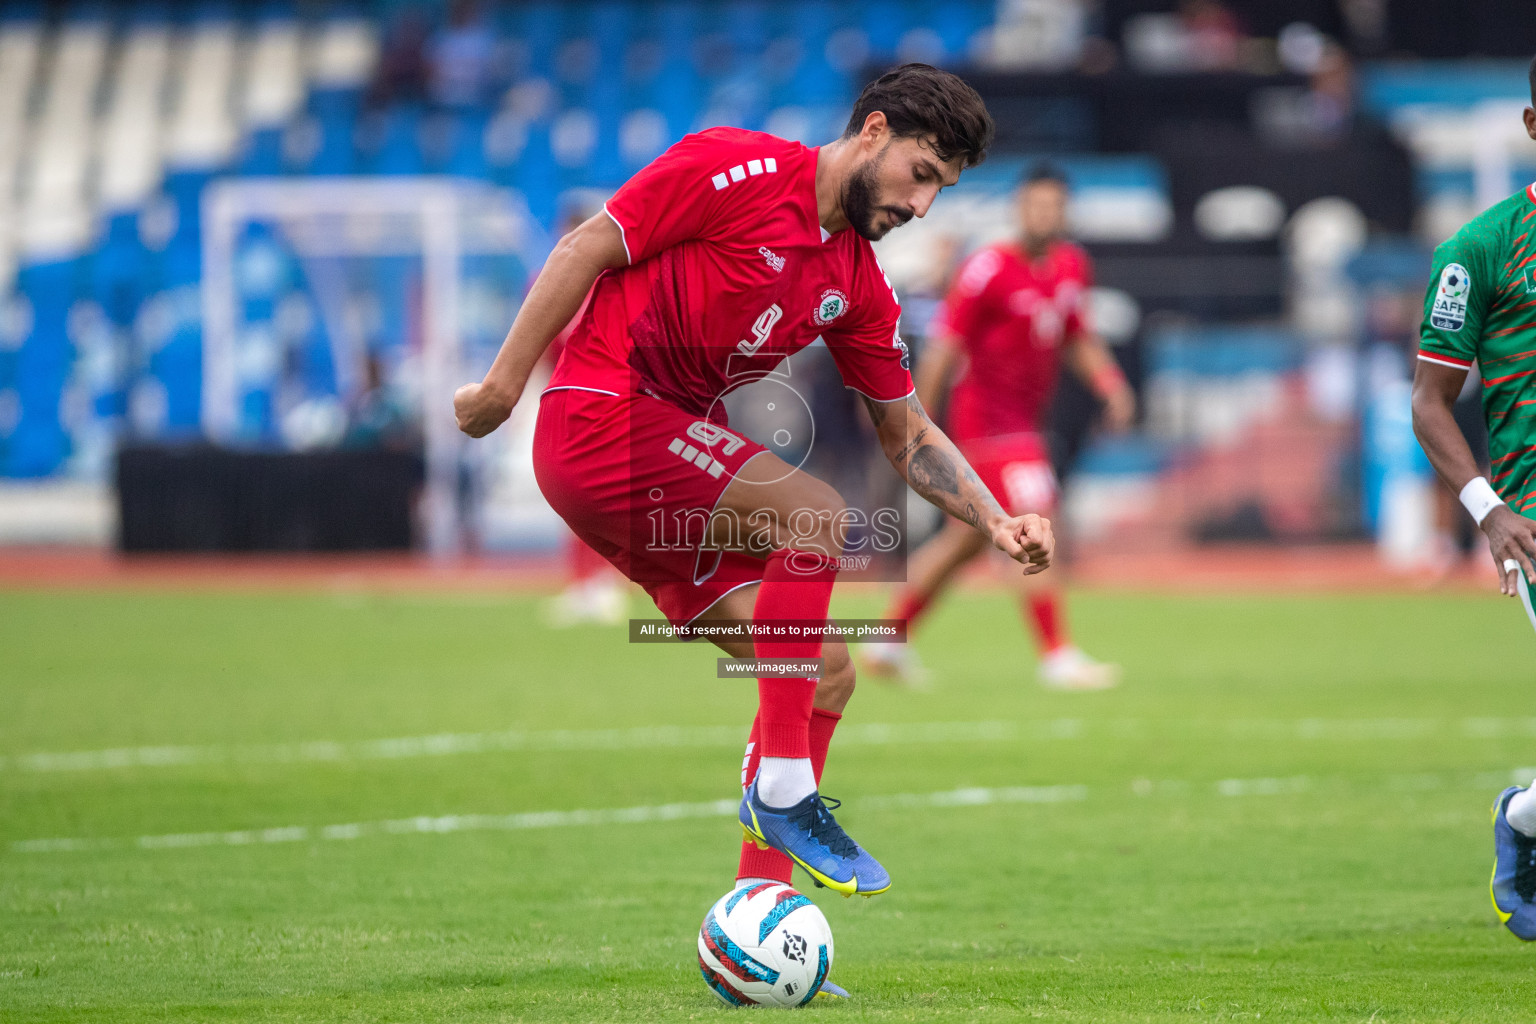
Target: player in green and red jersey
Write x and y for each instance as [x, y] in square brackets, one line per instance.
[1481, 307]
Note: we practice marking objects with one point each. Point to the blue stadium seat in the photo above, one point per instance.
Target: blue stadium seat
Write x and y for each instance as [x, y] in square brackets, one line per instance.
[39, 443]
[118, 278]
[884, 24]
[262, 152]
[539, 26]
[335, 111]
[745, 23]
[537, 177]
[391, 288]
[466, 143]
[179, 366]
[400, 148]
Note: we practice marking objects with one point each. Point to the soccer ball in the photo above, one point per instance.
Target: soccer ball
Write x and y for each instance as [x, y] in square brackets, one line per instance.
[766, 944]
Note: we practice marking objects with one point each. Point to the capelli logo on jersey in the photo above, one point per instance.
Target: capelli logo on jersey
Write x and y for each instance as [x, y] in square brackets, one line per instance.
[773, 259]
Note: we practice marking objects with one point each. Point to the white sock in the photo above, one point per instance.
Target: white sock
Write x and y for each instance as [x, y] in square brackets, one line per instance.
[785, 781]
[1520, 812]
[744, 883]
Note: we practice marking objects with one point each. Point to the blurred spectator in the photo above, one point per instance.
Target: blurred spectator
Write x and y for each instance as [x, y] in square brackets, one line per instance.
[1212, 35]
[379, 417]
[1203, 36]
[402, 71]
[463, 54]
[1332, 93]
[1327, 111]
[1038, 35]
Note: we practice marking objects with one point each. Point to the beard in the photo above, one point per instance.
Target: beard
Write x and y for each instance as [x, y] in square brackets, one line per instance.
[861, 202]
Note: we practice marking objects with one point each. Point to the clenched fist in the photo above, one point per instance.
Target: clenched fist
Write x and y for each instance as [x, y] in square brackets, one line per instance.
[1026, 539]
[481, 408]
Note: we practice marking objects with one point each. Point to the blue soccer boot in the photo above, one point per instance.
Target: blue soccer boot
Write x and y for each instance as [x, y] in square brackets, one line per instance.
[1513, 886]
[809, 835]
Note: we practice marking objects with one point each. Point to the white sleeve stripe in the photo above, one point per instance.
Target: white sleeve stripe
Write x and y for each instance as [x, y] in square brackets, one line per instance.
[627, 257]
[1444, 362]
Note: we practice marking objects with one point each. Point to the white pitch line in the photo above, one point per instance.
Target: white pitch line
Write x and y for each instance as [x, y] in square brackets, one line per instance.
[973, 796]
[445, 744]
[663, 736]
[970, 797]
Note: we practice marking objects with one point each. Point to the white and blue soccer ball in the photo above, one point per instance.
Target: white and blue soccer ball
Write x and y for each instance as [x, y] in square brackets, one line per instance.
[765, 944]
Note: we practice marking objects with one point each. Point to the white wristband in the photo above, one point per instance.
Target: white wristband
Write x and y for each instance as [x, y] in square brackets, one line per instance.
[1479, 499]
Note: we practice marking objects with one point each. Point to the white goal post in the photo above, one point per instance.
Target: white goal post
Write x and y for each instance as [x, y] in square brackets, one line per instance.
[325, 221]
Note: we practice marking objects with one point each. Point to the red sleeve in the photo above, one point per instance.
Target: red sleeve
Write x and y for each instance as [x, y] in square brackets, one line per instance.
[1077, 319]
[967, 298]
[867, 348]
[676, 197]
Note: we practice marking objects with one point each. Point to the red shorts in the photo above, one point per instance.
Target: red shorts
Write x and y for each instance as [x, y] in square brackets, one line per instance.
[637, 478]
[1017, 470]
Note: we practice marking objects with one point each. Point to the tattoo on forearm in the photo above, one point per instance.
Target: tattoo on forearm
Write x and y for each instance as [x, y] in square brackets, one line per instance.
[933, 472]
[910, 446]
[940, 476]
[934, 468]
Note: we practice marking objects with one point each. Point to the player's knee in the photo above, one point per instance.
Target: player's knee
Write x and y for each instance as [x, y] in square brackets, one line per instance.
[819, 522]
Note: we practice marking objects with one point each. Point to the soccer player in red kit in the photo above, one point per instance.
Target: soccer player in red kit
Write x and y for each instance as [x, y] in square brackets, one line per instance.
[731, 251]
[1014, 316]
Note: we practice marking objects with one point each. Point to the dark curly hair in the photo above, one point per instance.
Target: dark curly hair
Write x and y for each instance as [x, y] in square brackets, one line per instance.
[920, 101]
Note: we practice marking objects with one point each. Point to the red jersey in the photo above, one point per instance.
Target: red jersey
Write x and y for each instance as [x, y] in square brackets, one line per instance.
[729, 272]
[1012, 316]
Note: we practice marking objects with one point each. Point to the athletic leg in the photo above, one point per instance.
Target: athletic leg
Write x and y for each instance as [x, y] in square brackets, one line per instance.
[800, 523]
[929, 571]
[796, 521]
[1062, 665]
[1040, 604]
[932, 567]
[833, 691]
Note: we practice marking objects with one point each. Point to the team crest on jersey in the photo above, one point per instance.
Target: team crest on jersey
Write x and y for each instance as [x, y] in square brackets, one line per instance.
[1449, 312]
[833, 304]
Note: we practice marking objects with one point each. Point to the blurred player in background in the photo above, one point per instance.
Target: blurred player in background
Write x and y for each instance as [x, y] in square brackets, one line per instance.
[727, 254]
[1015, 314]
[1480, 307]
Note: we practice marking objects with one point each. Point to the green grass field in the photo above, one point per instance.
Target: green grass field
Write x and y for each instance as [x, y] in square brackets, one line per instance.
[1281, 815]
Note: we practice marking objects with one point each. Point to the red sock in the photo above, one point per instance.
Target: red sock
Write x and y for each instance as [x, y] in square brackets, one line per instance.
[823, 724]
[796, 585]
[910, 606]
[1050, 629]
[755, 863]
